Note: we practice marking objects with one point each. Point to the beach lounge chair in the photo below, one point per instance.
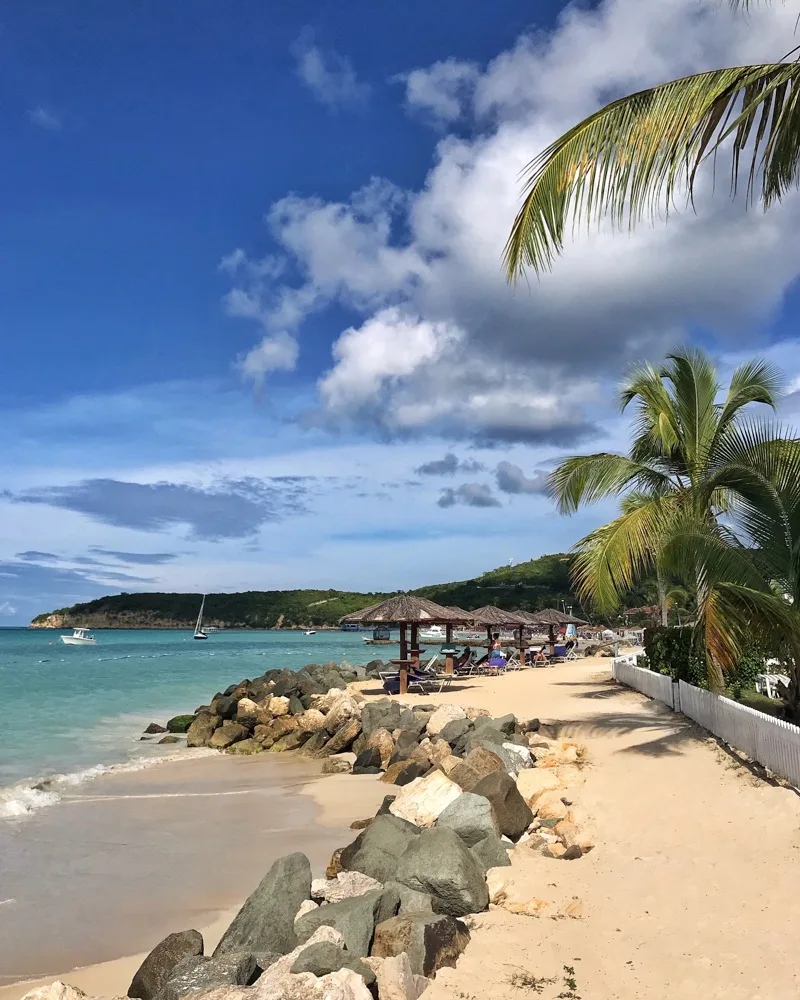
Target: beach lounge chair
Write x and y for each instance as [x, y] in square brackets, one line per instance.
[512, 663]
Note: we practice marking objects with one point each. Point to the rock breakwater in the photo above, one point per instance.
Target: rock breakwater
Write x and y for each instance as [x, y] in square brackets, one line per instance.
[467, 793]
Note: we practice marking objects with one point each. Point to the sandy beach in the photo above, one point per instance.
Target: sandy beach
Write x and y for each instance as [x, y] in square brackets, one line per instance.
[132, 857]
[689, 892]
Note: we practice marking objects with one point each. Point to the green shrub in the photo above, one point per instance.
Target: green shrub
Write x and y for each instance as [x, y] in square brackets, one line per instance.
[677, 653]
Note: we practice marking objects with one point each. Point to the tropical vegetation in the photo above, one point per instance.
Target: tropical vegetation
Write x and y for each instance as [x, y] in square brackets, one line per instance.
[631, 160]
[709, 502]
[534, 584]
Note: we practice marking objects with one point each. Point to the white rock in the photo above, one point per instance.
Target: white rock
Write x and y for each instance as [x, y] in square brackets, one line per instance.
[421, 983]
[279, 706]
[532, 782]
[318, 888]
[306, 907]
[348, 884]
[396, 980]
[55, 991]
[311, 721]
[498, 882]
[522, 754]
[246, 710]
[443, 715]
[423, 801]
[342, 985]
[345, 707]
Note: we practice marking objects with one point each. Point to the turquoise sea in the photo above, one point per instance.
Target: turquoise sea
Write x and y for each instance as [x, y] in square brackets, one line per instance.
[71, 712]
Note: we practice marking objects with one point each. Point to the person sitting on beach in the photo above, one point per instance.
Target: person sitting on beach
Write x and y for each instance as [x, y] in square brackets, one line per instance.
[495, 645]
[540, 656]
[462, 660]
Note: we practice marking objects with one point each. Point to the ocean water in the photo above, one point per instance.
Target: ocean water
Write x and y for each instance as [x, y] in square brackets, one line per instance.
[71, 712]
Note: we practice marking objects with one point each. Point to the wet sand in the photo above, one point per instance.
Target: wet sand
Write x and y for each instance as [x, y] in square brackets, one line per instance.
[128, 858]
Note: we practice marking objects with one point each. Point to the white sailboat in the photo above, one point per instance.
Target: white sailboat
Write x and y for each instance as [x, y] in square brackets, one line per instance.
[198, 629]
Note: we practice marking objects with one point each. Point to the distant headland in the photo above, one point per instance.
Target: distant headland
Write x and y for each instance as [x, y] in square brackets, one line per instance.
[537, 583]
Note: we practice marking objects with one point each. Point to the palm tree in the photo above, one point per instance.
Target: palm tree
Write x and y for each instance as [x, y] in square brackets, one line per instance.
[630, 159]
[696, 470]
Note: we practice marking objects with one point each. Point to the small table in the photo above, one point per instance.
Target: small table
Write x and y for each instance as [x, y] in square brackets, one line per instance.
[448, 652]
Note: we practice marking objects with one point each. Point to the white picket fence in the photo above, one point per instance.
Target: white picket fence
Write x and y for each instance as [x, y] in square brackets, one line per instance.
[772, 742]
[657, 686]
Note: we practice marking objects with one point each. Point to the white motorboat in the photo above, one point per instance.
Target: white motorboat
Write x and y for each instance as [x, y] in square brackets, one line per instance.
[79, 637]
[435, 633]
[198, 629]
[310, 631]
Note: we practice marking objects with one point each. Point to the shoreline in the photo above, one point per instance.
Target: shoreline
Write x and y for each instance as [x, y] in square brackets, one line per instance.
[693, 856]
[333, 806]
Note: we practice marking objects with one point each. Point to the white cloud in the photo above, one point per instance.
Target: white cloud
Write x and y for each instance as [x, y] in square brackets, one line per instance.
[45, 119]
[328, 75]
[275, 352]
[444, 345]
[6, 610]
[443, 90]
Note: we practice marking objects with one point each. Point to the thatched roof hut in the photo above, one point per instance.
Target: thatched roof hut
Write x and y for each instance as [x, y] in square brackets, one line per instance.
[409, 610]
[552, 619]
[493, 617]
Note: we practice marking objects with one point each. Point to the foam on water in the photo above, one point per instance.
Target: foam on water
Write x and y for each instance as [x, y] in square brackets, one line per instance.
[73, 713]
[26, 797]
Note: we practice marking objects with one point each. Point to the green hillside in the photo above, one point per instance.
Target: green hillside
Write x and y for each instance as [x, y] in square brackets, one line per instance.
[539, 583]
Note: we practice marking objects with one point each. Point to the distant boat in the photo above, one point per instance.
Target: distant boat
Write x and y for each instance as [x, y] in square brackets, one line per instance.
[435, 633]
[310, 631]
[198, 629]
[79, 637]
[211, 628]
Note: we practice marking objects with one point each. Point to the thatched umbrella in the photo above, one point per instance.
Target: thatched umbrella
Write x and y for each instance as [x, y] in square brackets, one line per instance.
[552, 619]
[493, 618]
[408, 610]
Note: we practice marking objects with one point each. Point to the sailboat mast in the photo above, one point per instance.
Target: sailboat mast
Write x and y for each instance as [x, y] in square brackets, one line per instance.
[200, 616]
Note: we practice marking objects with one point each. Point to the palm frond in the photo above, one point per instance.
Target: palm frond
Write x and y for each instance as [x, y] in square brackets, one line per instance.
[694, 382]
[630, 159]
[588, 478]
[612, 558]
[754, 381]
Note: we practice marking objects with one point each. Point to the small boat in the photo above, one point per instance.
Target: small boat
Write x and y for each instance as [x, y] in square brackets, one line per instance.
[435, 633]
[310, 631]
[79, 637]
[198, 629]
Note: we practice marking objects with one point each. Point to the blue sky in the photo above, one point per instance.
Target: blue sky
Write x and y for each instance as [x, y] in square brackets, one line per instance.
[253, 327]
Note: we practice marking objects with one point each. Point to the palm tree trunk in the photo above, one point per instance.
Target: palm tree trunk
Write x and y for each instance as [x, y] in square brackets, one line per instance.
[662, 598]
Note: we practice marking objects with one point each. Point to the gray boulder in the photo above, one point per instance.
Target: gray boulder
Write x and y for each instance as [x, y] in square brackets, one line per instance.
[513, 814]
[266, 920]
[324, 957]
[195, 975]
[155, 970]
[354, 918]
[510, 761]
[506, 724]
[224, 707]
[431, 941]
[471, 817]
[438, 863]
[368, 762]
[382, 714]
[202, 729]
[475, 766]
[491, 852]
[229, 732]
[455, 730]
[376, 851]
[342, 739]
[411, 901]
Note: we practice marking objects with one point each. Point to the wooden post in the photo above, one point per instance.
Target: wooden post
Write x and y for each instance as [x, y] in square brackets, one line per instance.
[403, 671]
[403, 680]
[448, 638]
[403, 642]
[552, 640]
[415, 645]
[521, 647]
